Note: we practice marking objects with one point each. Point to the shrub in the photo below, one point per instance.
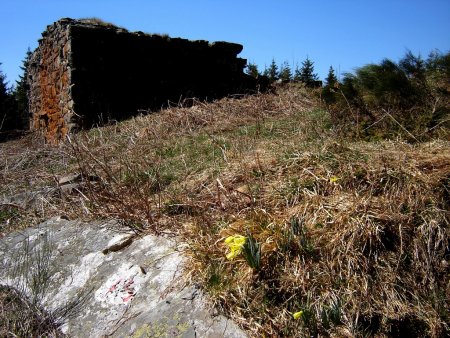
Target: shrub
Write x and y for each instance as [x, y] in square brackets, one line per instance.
[409, 98]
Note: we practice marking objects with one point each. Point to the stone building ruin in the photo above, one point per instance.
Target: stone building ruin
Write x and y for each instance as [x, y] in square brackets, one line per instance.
[86, 72]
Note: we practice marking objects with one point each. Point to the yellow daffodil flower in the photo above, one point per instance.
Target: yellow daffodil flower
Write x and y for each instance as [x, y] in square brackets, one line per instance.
[334, 179]
[297, 315]
[235, 243]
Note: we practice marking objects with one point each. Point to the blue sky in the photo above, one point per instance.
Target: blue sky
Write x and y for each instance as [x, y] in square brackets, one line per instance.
[342, 33]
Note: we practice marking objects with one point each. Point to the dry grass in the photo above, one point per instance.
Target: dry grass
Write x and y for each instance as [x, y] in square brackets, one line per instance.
[149, 164]
[29, 172]
[19, 318]
[354, 234]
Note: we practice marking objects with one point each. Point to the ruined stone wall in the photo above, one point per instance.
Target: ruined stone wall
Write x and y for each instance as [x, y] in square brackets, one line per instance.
[84, 73]
[51, 104]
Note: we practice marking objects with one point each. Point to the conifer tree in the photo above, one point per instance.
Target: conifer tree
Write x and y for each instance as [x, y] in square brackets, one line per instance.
[21, 93]
[3, 99]
[252, 70]
[329, 91]
[331, 78]
[296, 76]
[306, 73]
[285, 72]
[272, 71]
[7, 107]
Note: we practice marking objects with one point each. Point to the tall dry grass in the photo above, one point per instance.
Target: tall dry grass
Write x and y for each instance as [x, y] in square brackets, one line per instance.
[354, 236]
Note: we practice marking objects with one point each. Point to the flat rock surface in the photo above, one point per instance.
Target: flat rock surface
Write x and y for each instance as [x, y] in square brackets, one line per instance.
[121, 285]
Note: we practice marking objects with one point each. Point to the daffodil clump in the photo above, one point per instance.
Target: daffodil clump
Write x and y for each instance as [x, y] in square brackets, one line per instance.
[235, 243]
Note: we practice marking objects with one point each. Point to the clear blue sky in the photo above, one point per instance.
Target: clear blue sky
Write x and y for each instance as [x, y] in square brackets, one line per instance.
[342, 33]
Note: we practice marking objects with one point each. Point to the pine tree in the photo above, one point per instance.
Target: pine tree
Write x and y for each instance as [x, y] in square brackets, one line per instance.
[272, 72]
[329, 91]
[285, 72]
[21, 93]
[297, 74]
[331, 78]
[8, 111]
[3, 99]
[306, 73]
[252, 70]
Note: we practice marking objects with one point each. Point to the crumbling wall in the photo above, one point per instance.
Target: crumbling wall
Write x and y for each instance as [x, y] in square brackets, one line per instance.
[51, 104]
[86, 73]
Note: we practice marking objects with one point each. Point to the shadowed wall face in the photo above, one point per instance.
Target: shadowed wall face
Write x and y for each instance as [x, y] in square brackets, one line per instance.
[83, 74]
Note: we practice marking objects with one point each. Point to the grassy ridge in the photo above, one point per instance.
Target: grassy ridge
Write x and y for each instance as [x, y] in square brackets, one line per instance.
[351, 236]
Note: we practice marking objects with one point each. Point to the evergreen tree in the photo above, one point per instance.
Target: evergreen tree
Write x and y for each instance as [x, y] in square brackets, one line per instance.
[3, 99]
[329, 91]
[331, 78]
[306, 73]
[21, 93]
[285, 72]
[297, 73]
[252, 70]
[272, 72]
[7, 106]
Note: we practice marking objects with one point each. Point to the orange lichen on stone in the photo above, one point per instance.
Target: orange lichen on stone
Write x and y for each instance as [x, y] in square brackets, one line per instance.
[49, 89]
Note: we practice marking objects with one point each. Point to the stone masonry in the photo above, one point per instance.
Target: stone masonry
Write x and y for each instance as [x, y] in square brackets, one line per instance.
[87, 72]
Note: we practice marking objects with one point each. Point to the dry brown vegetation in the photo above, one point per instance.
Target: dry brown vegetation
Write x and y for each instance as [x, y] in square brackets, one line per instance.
[354, 234]
[19, 317]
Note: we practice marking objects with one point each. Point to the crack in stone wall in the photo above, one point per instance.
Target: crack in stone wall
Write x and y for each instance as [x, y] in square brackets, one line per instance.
[86, 73]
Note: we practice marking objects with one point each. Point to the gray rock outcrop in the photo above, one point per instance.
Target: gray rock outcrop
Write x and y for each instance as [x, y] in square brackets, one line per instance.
[120, 284]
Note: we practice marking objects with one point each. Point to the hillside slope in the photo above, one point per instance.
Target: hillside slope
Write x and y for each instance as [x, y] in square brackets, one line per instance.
[339, 237]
